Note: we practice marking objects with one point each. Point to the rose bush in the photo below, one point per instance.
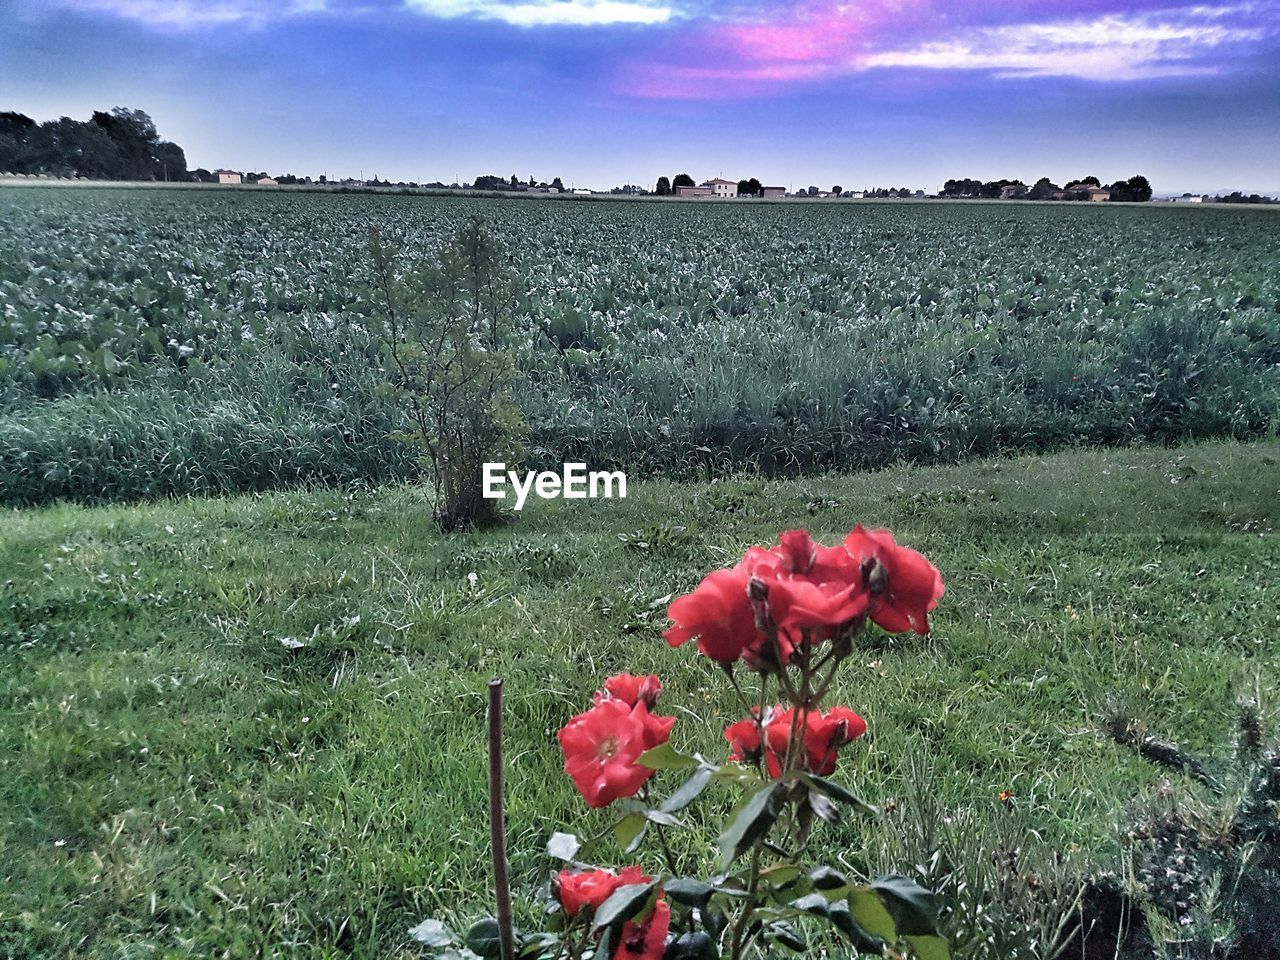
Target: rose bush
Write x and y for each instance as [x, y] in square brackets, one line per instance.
[790, 614]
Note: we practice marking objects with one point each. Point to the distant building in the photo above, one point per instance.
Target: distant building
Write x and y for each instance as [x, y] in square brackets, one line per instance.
[1189, 198]
[267, 182]
[1098, 194]
[1013, 191]
[722, 188]
[773, 192]
[856, 194]
[703, 191]
[228, 176]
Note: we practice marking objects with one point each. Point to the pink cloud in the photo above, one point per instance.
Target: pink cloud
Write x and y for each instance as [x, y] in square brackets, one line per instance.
[819, 39]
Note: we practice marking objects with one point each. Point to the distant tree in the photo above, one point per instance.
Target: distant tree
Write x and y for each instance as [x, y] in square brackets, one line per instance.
[837, 190]
[557, 184]
[754, 187]
[743, 187]
[515, 181]
[682, 180]
[135, 136]
[1044, 189]
[72, 148]
[664, 187]
[1093, 181]
[812, 191]
[1136, 189]
[171, 160]
[1139, 188]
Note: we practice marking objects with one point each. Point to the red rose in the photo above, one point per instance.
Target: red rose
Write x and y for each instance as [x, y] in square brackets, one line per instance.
[825, 733]
[822, 736]
[647, 940]
[903, 585]
[718, 613]
[591, 888]
[632, 690]
[601, 746]
[799, 606]
[744, 738]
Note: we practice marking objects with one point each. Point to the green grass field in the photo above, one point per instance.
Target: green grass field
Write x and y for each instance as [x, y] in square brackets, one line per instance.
[176, 781]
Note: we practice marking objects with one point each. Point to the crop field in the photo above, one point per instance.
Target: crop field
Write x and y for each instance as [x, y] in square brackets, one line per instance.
[242, 670]
[156, 342]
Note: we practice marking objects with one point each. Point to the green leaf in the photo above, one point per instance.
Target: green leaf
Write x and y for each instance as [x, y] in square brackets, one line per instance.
[665, 819]
[666, 757]
[785, 935]
[840, 793]
[687, 890]
[689, 790]
[433, 933]
[752, 821]
[930, 948]
[825, 878]
[624, 903]
[563, 846]
[913, 908]
[842, 919]
[629, 831]
[483, 938]
[690, 946]
[871, 914]
[814, 903]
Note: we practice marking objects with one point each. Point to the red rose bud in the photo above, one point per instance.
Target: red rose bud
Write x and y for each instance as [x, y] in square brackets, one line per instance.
[632, 690]
[744, 738]
[591, 888]
[601, 746]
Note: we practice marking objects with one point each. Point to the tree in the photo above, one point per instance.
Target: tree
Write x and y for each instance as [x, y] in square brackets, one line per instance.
[515, 181]
[1139, 188]
[446, 332]
[755, 188]
[664, 187]
[837, 190]
[812, 191]
[681, 180]
[557, 184]
[1044, 189]
[1091, 180]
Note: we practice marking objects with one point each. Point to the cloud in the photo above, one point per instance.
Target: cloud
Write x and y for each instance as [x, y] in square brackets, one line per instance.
[187, 14]
[1110, 48]
[812, 41]
[184, 14]
[545, 13]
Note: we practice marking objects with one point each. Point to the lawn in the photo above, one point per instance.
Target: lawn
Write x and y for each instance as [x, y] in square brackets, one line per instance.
[253, 726]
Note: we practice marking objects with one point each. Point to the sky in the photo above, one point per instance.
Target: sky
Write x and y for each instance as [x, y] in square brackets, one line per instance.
[605, 92]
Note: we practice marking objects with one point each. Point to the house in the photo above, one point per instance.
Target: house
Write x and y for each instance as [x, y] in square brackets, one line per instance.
[855, 194]
[1097, 194]
[228, 176]
[267, 182]
[722, 188]
[1189, 198]
[773, 192]
[1013, 191]
[702, 191]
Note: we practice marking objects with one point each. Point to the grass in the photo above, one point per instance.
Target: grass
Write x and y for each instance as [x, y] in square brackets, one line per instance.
[176, 781]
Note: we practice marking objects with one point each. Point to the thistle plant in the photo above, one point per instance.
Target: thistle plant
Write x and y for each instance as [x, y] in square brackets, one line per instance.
[780, 623]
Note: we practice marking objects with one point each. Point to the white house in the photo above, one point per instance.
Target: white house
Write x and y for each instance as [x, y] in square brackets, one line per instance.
[722, 188]
[228, 176]
[266, 182]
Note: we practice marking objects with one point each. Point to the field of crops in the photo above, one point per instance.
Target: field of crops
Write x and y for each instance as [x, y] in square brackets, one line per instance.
[156, 341]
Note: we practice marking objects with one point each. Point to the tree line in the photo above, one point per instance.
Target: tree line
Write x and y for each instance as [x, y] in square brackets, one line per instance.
[122, 144]
[1136, 189]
